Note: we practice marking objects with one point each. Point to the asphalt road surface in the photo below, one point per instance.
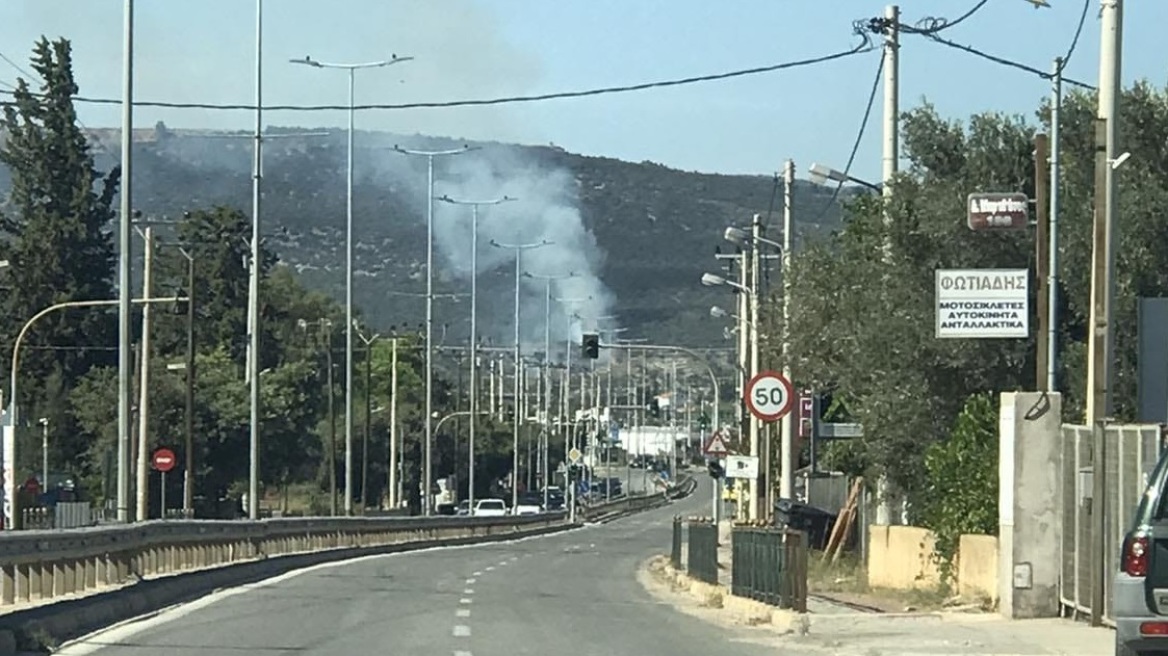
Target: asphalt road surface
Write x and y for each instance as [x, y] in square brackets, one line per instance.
[571, 593]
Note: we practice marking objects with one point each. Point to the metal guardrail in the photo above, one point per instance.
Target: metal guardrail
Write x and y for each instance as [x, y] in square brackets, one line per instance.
[40, 565]
[702, 560]
[769, 565]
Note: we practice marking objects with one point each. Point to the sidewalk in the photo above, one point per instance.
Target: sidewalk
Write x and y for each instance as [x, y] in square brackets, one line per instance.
[840, 630]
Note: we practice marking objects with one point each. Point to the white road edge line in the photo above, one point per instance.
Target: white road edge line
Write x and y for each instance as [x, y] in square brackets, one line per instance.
[126, 629]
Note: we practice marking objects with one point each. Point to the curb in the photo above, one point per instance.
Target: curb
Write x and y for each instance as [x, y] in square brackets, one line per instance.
[44, 628]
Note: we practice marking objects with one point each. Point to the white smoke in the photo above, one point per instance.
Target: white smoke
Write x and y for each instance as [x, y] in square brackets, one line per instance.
[545, 209]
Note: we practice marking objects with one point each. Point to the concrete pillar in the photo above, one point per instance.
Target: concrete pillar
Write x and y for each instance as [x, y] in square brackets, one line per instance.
[1029, 504]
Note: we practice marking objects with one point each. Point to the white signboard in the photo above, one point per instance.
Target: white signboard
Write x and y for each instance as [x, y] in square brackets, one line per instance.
[742, 467]
[983, 303]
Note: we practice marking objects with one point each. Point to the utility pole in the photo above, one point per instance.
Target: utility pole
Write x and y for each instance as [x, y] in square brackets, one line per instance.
[394, 500]
[891, 156]
[1041, 260]
[787, 439]
[143, 491]
[1056, 102]
[760, 485]
[326, 328]
[744, 417]
[368, 343]
[125, 244]
[189, 464]
[1100, 342]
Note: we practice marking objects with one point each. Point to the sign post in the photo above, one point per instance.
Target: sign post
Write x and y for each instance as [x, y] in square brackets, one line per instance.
[163, 461]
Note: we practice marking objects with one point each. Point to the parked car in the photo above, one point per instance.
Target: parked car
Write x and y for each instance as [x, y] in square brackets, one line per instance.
[1140, 592]
[490, 508]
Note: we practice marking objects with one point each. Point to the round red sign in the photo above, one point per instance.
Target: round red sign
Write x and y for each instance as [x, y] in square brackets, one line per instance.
[163, 460]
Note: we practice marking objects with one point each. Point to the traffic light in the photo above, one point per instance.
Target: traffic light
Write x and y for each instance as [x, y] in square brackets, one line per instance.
[591, 343]
[715, 469]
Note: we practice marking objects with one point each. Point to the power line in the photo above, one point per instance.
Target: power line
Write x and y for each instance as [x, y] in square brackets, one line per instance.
[865, 46]
[1075, 39]
[856, 144]
[933, 24]
[880, 25]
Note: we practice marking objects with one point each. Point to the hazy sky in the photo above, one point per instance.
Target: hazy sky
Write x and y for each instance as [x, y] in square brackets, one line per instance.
[203, 51]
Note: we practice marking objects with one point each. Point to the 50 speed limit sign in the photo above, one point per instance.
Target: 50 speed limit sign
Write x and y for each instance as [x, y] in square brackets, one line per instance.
[769, 396]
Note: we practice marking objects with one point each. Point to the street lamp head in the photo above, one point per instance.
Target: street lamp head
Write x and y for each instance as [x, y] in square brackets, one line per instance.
[736, 236]
[712, 280]
[307, 61]
[717, 312]
[821, 174]
[43, 421]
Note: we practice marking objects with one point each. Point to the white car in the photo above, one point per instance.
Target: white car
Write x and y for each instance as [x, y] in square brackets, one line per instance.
[529, 504]
[490, 508]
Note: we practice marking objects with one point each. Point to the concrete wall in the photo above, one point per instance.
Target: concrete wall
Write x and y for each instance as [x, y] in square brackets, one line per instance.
[1029, 508]
[902, 558]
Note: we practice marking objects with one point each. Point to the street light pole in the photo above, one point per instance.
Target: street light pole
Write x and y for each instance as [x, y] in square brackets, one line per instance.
[351, 69]
[547, 377]
[125, 294]
[427, 467]
[787, 440]
[518, 248]
[474, 339]
[253, 296]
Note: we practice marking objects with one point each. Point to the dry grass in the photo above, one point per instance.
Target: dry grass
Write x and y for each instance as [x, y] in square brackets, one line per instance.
[847, 580]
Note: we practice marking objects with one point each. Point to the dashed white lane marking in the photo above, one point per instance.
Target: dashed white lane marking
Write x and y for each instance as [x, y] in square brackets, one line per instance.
[478, 574]
[491, 568]
[503, 564]
[461, 631]
[470, 581]
[462, 653]
[464, 600]
[468, 591]
[514, 558]
[462, 612]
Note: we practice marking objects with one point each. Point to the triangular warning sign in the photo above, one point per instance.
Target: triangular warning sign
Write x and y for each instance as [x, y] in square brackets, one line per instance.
[716, 446]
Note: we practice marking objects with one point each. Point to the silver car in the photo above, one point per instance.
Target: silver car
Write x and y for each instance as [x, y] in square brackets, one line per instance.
[1140, 601]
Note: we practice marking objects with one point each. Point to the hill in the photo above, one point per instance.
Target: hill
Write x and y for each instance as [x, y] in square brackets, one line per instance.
[644, 231]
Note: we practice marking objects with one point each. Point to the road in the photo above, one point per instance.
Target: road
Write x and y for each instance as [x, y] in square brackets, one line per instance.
[573, 593]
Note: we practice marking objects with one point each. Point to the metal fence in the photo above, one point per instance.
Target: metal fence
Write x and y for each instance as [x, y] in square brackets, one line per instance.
[64, 514]
[702, 559]
[770, 565]
[1130, 453]
[675, 547]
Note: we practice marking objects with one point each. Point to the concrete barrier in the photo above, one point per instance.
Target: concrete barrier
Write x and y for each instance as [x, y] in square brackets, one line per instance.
[58, 585]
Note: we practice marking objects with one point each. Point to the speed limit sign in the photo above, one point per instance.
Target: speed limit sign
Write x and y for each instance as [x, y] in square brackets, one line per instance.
[769, 396]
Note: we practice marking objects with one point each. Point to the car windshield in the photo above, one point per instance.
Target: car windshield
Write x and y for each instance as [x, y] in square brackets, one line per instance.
[491, 504]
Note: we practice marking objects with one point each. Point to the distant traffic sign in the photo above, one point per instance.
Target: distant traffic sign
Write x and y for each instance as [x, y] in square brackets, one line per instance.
[163, 460]
[998, 211]
[574, 455]
[716, 446]
[769, 396]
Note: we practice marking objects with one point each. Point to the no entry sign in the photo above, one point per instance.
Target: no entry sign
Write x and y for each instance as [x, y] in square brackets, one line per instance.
[769, 396]
[163, 460]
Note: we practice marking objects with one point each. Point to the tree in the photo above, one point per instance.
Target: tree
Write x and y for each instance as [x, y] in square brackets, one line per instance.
[56, 237]
[862, 325]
